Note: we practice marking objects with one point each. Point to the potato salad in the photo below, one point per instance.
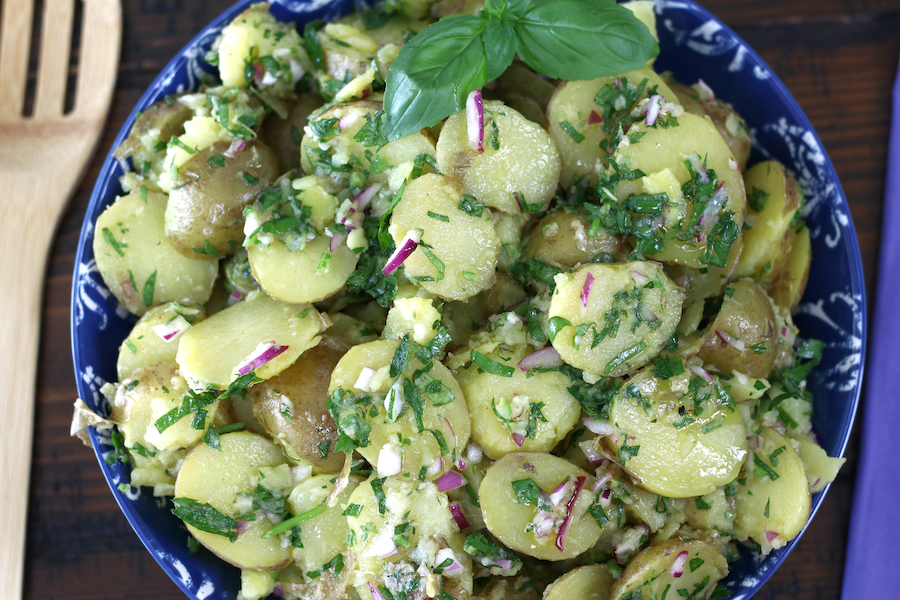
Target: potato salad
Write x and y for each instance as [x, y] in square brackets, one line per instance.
[537, 345]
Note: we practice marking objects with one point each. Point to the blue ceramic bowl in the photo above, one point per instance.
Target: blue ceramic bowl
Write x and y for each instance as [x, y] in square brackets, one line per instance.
[694, 45]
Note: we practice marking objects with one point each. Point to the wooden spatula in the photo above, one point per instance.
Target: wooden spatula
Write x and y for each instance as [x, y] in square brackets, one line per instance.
[42, 158]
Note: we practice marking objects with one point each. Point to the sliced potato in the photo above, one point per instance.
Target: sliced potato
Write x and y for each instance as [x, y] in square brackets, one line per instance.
[821, 469]
[425, 452]
[591, 582]
[462, 247]
[307, 275]
[139, 264]
[291, 407]
[773, 497]
[612, 318]
[148, 404]
[534, 408]
[325, 535]
[742, 337]
[773, 198]
[213, 352]
[508, 494]
[216, 477]
[562, 238]
[790, 283]
[678, 437]
[517, 169]
[653, 571]
[154, 338]
[576, 122]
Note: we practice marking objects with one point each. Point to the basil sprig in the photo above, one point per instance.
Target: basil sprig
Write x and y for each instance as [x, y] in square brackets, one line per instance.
[563, 39]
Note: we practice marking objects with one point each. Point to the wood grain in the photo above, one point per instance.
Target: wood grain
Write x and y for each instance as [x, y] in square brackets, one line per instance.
[838, 58]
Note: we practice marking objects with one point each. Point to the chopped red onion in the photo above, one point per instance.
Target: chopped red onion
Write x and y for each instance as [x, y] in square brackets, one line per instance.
[364, 197]
[503, 563]
[676, 569]
[647, 315]
[382, 546]
[733, 165]
[450, 481]
[561, 534]
[240, 527]
[771, 535]
[619, 82]
[376, 595]
[519, 439]
[364, 381]
[545, 525]
[708, 94]
[545, 357]
[586, 289]
[257, 71]
[591, 453]
[461, 463]
[450, 427]
[458, 515]
[406, 247]
[560, 493]
[278, 591]
[389, 461]
[599, 483]
[265, 352]
[730, 340]
[594, 118]
[475, 120]
[700, 372]
[455, 569]
[235, 297]
[172, 329]
[346, 122]
[639, 277]
[598, 427]
[653, 109]
[336, 240]
[517, 199]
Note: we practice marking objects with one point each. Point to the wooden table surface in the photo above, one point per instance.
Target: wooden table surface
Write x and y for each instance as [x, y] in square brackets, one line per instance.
[838, 58]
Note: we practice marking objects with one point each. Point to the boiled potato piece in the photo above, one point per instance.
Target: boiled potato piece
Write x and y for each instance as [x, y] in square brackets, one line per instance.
[821, 469]
[517, 168]
[530, 412]
[330, 148]
[204, 214]
[325, 535]
[309, 275]
[650, 573]
[139, 264]
[437, 404]
[291, 407]
[154, 338]
[391, 519]
[711, 511]
[157, 123]
[611, 319]
[678, 437]
[148, 404]
[462, 247]
[742, 337]
[214, 351]
[773, 496]
[773, 199]
[539, 504]
[581, 128]
[698, 99]
[524, 90]
[694, 141]
[415, 316]
[562, 239]
[790, 283]
[217, 477]
[591, 582]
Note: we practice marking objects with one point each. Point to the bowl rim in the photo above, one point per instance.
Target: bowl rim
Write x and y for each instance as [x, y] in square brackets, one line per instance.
[105, 179]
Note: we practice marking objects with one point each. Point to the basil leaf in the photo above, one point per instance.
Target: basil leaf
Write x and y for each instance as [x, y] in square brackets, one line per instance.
[564, 40]
[433, 74]
[500, 45]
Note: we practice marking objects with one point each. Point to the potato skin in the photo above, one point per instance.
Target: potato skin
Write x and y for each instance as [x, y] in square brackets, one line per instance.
[210, 209]
[748, 316]
[282, 135]
[291, 406]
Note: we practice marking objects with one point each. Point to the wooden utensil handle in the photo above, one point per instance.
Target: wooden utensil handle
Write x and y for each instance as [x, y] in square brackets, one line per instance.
[24, 245]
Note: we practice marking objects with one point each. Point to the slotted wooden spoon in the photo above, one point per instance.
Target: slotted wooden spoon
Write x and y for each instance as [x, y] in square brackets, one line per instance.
[42, 158]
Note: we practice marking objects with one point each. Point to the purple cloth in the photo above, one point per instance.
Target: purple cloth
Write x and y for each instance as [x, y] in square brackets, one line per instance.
[872, 568]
